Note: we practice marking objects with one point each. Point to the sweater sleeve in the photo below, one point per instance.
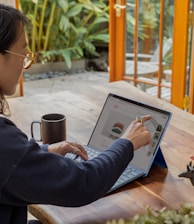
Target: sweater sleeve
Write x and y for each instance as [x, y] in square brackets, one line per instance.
[47, 178]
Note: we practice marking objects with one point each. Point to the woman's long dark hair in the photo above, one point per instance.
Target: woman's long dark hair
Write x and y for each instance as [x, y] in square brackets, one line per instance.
[10, 20]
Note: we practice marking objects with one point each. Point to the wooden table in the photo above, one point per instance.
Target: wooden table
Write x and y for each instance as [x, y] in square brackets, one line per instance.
[162, 188]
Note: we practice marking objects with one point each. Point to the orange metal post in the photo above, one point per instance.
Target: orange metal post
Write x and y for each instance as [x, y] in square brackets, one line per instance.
[17, 3]
[21, 79]
[21, 86]
[111, 41]
[161, 27]
[180, 43]
[136, 40]
[117, 41]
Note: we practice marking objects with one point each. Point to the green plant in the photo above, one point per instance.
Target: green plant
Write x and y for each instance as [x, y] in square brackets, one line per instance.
[185, 214]
[148, 20]
[66, 29]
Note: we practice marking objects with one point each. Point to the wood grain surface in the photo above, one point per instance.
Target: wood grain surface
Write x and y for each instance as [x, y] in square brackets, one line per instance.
[162, 187]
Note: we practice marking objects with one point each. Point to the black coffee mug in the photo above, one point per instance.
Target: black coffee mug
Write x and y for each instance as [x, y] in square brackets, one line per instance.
[52, 128]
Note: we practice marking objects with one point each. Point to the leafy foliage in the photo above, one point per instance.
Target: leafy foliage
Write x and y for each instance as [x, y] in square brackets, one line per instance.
[66, 29]
[183, 215]
[148, 24]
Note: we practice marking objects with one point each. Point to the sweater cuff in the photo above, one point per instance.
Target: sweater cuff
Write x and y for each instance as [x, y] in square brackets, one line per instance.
[44, 147]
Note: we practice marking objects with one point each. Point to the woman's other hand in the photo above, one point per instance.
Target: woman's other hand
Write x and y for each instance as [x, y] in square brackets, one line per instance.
[68, 147]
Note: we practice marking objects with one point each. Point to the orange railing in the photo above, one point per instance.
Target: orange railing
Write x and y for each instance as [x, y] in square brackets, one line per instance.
[179, 67]
[21, 89]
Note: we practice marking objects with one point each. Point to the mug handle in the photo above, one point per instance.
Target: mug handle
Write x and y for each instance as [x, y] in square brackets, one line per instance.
[32, 130]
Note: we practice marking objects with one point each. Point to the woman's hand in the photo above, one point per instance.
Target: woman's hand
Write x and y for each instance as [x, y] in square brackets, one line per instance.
[137, 133]
[68, 147]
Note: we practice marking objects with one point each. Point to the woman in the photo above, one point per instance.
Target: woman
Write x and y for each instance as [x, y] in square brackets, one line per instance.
[24, 164]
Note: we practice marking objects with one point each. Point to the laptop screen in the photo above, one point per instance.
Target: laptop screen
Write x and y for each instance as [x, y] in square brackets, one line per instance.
[117, 114]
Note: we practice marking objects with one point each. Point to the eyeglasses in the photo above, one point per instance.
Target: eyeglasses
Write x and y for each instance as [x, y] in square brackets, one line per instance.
[29, 58]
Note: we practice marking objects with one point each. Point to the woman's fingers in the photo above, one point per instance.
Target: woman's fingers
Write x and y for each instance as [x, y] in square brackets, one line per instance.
[79, 150]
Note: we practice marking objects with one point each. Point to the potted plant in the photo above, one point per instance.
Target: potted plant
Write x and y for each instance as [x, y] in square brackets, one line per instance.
[185, 214]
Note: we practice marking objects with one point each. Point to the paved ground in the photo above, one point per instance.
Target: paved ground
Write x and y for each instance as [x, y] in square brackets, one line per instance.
[65, 82]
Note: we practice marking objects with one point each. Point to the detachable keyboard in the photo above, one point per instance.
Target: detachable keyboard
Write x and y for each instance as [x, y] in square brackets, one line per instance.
[128, 175]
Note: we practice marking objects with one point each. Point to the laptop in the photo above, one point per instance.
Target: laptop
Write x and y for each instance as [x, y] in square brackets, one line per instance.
[117, 113]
